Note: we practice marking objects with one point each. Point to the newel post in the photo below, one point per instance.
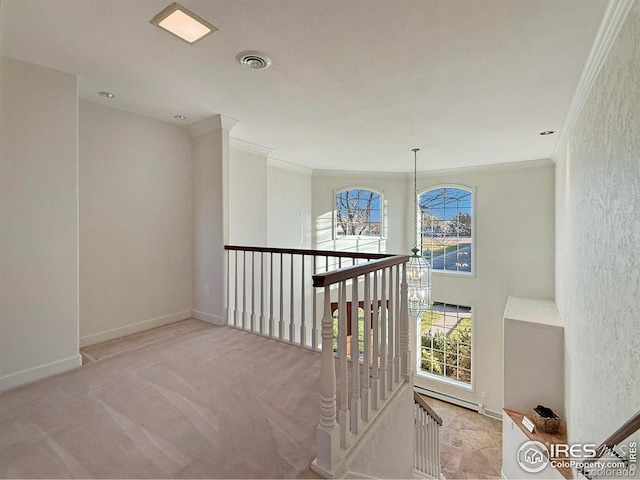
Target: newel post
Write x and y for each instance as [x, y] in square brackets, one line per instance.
[405, 351]
[327, 432]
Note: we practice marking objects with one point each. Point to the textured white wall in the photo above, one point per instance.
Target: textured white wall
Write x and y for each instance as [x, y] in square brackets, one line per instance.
[38, 222]
[598, 239]
[514, 236]
[288, 208]
[135, 223]
[247, 198]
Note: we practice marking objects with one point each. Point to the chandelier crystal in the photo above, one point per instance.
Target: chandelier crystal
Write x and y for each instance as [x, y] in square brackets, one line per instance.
[418, 269]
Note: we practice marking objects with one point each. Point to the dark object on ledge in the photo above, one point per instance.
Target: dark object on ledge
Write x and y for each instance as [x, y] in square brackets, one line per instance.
[545, 419]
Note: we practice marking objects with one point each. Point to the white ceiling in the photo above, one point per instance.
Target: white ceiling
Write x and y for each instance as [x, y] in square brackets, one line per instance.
[354, 85]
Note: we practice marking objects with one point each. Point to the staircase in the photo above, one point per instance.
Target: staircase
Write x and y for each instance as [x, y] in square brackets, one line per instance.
[352, 309]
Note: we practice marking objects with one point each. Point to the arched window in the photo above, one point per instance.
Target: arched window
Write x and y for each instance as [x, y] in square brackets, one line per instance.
[359, 213]
[446, 228]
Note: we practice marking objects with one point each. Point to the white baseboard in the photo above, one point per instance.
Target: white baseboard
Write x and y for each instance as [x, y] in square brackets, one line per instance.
[133, 328]
[36, 373]
[207, 317]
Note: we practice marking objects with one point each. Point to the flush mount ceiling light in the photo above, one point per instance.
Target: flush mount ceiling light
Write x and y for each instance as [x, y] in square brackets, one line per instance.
[253, 60]
[179, 117]
[183, 23]
[547, 132]
[106, 94]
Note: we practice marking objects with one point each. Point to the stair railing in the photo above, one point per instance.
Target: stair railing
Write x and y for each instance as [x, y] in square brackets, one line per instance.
[355, 387]
[609, 445]
[426, 435]
[269, 290]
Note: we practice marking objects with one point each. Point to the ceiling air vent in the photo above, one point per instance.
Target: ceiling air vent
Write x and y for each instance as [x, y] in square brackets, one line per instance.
[254, 60]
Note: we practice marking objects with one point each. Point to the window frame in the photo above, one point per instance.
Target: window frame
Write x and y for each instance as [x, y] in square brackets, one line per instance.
[418, 220]
[469, 387]
[383, 214]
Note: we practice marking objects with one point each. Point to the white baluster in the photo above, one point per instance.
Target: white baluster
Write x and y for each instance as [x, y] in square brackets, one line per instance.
[366, 356]
[253, 291]
[343, 414]
[434, 443]
[383, 338]
[244, 289]
[375, 358]
[281, 323]
[405, 352]
[226, 306]
[355, 360]
[327, 432]
[271, 319]
[391, 329]
[262, 293]
[436, 458]
[235, 291]
[396, 349]
[314, 329]
[292, 312]
[303, 304]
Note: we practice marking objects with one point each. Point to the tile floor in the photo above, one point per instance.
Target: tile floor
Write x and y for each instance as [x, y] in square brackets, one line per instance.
[470, 443]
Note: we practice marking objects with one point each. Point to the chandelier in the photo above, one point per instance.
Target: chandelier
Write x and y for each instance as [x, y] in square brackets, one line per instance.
[418, 269]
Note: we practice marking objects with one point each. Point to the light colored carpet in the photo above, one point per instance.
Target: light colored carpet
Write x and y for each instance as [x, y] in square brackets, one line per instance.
[209, 402]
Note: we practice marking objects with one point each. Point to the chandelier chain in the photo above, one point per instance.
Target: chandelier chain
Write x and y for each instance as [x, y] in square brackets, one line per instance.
[415, 198]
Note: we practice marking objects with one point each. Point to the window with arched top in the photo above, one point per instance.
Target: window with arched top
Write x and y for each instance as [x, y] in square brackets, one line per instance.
[446, 228]
[359, 213]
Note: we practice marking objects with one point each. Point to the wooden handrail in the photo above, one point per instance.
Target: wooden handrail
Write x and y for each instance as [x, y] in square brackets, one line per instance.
[625, 431]
[310, 252]
[423, 405]
[347, 273]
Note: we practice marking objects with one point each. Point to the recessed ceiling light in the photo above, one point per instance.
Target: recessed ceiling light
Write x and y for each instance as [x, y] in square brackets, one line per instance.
[253, 60]
[106, 94]
[183, 23]
[179, 117]
[547, 132]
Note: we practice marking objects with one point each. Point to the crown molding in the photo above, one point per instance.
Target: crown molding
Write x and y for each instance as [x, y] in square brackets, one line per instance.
[209, 124]
[274, 162]
[352, 173]
[240, 144]
[493, 167]
[612, 21]
[228, 122]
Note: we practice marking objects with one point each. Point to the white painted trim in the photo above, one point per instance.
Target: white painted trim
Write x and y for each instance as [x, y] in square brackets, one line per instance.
[240, 144]
[227, 122]
[357, 173]
[493, 167]
[612, 21]
[207, 317]
[42, 371]
[447, 398]
[274, 162]
[133, 328]
[210, 124]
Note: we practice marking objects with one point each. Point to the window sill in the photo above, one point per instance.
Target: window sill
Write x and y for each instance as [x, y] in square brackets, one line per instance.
[453, 383]
[453, 273]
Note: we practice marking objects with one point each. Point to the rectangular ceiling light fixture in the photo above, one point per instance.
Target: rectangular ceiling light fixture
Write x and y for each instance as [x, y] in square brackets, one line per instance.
[183, 23]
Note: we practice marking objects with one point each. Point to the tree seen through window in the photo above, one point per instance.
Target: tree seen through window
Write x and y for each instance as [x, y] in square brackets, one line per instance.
[446, 228]
[358, 213]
